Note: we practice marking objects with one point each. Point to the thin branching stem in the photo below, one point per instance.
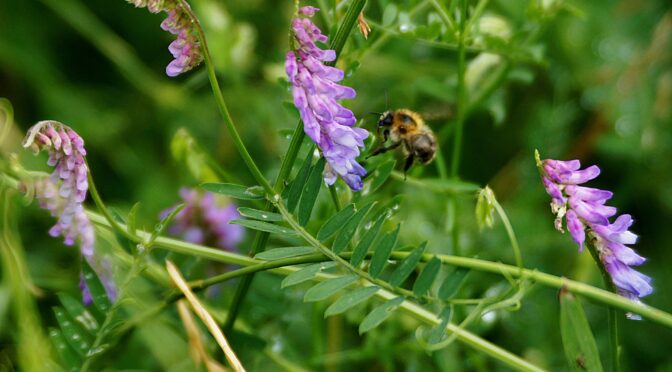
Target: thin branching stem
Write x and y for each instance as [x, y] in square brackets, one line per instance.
[221, 104]
[261, 237]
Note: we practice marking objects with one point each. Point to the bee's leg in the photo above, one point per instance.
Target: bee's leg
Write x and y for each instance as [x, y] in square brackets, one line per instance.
[386, 135]
[409, 163]
[383, 149]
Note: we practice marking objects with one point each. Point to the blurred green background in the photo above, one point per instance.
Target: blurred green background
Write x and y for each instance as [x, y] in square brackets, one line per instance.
[587, 80]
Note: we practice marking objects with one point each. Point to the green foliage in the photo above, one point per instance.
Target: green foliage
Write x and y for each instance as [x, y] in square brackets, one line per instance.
[379, 314]
[234, 191]
[577, 338]
[282, 253]
[264, 226]
[350, 300]
[576, 80]
[382, 252]
[310, 191]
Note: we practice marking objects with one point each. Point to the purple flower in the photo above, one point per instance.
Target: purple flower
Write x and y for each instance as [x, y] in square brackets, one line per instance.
[63, 192]
[186, 49]
[585, 213]
[315, 91]
[205, 220]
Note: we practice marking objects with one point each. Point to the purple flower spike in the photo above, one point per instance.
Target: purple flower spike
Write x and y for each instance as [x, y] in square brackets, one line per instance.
[64, 191]
[186, 49]
[315, 91]
[585, 213]
[205, 220]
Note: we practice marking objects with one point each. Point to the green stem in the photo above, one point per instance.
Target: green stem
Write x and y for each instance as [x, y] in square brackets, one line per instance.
[334, 197]
[310, 239]
[261, 238]
[221, 104]
[461, 91]
[510, 233]
[612, 316]
[595, 294]
[444, 15]
[93, 190]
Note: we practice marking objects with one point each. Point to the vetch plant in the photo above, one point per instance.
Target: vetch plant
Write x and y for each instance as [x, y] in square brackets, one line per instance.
[406, 245]
[63, 192]
[315, 91]
[585, 212]
[205, 219]
[186, 49]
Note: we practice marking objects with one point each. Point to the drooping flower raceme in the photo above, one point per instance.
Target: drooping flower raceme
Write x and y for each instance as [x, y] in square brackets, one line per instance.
[63, 192]
[205, 220]
[186, 49]
[315, 91]
[587, 216]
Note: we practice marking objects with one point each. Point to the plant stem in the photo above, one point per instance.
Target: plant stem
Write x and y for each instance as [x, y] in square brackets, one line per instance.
[510, 233]
[461, 91]
[261, 237]
[590, 292]
[334, 197]
[612, 316]
[221, 104]
[101, 207]
[335, 257]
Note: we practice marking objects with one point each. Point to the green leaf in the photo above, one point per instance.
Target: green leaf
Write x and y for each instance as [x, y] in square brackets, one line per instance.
[365, 242]
[379, 314]
[234, 191]
[264, 226]
[98, 294]
[348, 231]
[256, 214]
[577, 338]
[350, 300]
[131, 225]
[452, 283]
[305, 274]
[437, 333]
[406, 266]
[165, 222]
[286, 252]
[71, 360]
[335, 222]
[389, 15]
[381, 174]
[328, 288]
[382, 252]
[78, 312]
[74, 334]
[299, 182]
[310, 192]
[426, 277]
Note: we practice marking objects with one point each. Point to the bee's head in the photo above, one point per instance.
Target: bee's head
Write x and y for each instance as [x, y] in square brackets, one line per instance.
[385, 119]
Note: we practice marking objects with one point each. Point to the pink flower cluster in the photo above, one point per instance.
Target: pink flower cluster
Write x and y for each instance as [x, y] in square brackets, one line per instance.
[315, 91]
[586, 215]
[186, 49]
[205, 220]
[63, 192]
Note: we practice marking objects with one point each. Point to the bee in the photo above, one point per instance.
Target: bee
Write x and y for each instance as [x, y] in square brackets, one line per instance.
[407, 128]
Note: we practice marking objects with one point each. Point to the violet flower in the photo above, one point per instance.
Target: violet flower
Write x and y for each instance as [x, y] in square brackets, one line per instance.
[315, 91]
[205, 220]
[186, 49]
[63, 192]
[587, 216]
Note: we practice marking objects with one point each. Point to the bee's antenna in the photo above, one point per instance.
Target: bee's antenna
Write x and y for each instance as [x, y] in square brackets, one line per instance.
[375, 113]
